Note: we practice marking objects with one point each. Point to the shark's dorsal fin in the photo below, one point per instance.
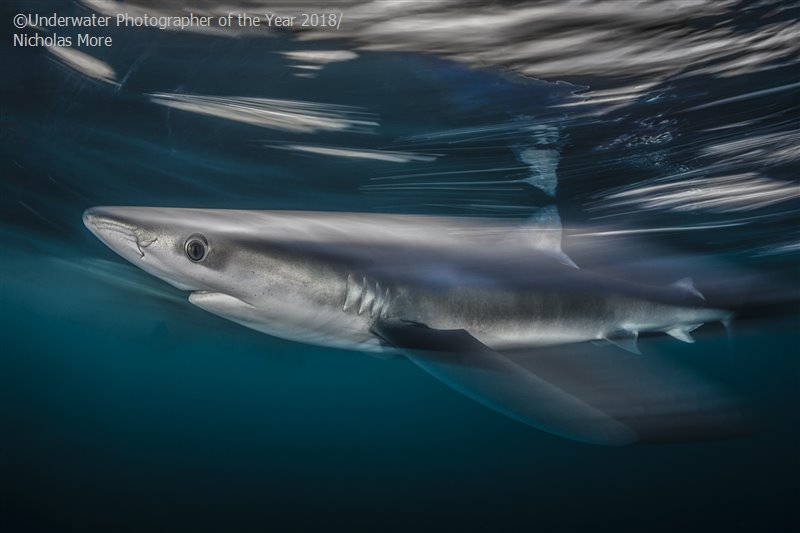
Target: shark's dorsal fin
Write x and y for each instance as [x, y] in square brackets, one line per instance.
[687, 285]
[625, 339]
[542, 231]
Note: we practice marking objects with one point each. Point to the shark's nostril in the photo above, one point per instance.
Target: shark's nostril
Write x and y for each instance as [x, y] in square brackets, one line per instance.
[113, 231]
[89, 218]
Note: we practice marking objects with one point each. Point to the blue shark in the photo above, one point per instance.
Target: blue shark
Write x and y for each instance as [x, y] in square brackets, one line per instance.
[491, 307]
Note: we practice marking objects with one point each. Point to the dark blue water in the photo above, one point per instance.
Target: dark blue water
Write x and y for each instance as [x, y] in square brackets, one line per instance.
[124, 408]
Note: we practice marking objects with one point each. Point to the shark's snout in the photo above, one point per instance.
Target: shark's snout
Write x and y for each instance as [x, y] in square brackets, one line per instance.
[116, 231]
[145, 237]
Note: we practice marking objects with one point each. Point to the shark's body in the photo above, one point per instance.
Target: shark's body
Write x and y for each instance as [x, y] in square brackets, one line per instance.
[452, 294]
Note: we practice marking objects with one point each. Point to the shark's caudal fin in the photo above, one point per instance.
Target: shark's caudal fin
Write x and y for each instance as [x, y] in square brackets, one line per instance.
[542, 231]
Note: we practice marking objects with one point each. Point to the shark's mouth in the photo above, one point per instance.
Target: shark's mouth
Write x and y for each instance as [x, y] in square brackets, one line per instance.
[217, 301]
[226, 306]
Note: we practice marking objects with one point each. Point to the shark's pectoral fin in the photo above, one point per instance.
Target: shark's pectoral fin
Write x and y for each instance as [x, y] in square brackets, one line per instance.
[579, 391]
[488, 377]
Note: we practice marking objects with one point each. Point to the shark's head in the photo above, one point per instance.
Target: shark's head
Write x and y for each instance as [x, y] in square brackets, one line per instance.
[221, 256]
[175, 245]
[246, 266]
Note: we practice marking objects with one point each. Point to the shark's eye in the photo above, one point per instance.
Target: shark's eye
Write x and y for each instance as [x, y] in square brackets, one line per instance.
[196, 248]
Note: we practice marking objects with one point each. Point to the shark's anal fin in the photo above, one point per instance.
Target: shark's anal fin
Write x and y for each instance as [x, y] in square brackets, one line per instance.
[488, 377]
[683, 333]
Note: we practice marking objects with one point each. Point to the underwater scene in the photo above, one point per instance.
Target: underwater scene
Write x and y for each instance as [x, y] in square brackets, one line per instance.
[498, 266]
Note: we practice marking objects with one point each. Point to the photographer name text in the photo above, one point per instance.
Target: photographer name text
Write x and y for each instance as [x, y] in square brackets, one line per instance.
[46, 26]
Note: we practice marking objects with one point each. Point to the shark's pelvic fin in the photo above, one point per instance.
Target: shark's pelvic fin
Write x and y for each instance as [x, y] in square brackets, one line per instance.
[687, 285]
[625, 339]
